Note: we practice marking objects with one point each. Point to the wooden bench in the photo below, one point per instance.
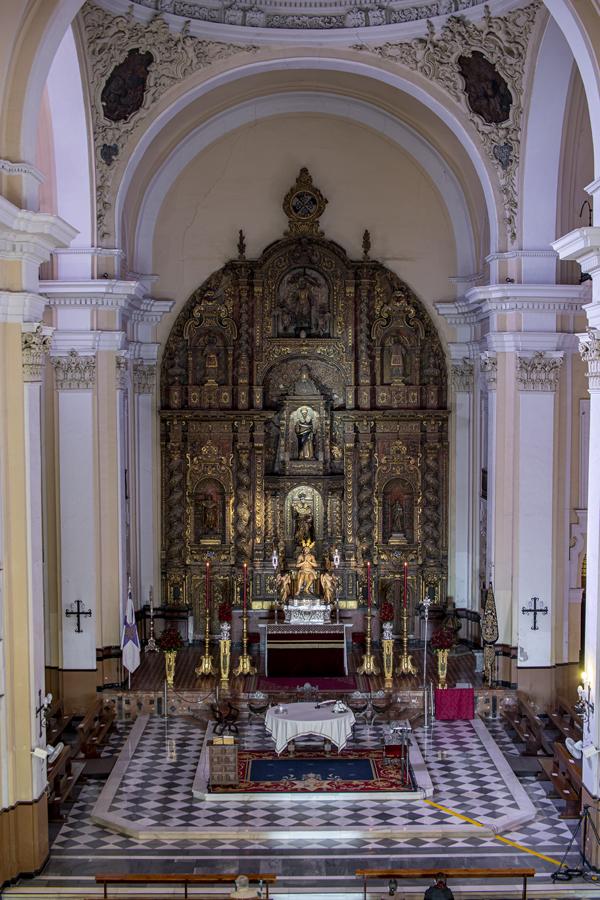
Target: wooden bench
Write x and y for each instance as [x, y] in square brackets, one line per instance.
[567, 781]
[566, 720]
[93, 729]
[56, 722]
[62, 777]
[387, 874]
[524, 720]
[186, 880]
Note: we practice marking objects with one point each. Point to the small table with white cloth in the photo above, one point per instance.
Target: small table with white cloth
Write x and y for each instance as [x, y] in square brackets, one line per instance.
[299, 719]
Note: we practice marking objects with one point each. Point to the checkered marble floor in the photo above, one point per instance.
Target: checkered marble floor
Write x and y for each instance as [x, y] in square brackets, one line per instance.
[168, 756]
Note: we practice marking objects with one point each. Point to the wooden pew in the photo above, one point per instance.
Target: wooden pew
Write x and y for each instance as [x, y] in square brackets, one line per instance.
[387, 874]
[56, 722]
[62, 777]
[93, 729]
[528, 726]
[566, 720]
[186, 880]
[565, 774]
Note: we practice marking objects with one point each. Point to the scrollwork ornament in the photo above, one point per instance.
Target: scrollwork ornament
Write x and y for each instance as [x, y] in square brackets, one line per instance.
[108, 41]
[489, 369]
[539, 372]
[462, 375]
[503, 41]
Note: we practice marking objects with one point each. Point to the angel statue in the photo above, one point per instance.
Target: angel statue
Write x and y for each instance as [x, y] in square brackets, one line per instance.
[284, 586]
[328, 585]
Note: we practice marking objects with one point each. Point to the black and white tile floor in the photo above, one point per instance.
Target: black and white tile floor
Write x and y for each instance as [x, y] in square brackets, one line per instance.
[157, 788]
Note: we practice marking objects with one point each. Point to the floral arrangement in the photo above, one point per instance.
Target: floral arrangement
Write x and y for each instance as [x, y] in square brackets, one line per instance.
[443, 638]
[169, 640]
[386, 612]
[225, 613]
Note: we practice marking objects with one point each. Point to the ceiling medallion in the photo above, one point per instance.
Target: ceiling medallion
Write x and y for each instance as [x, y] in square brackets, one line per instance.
[304, 205]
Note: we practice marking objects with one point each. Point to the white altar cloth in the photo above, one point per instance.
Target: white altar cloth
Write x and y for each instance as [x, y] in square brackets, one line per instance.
[303, 719]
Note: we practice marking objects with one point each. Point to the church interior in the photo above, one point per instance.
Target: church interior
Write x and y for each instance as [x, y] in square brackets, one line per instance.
[299, 449]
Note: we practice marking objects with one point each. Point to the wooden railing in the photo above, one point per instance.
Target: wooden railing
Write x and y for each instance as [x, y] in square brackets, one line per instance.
[387, 874]
[186, 880]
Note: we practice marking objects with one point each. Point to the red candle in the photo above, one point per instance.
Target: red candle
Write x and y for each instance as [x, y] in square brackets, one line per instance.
[207, 584]
[405, 584]
[245, 584]
[369, 585]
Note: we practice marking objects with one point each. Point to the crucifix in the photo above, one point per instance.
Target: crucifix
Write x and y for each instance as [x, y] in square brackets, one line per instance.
[77, 610]
[535, 610]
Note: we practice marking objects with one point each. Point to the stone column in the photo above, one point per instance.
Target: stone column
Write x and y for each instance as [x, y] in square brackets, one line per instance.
[75, 379]
[461, 582]
[537, 383]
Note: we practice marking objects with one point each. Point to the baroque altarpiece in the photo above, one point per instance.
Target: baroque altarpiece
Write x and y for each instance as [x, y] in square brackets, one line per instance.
[303, 398]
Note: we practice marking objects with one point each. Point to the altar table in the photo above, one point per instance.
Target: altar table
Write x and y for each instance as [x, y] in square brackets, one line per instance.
[306, 719]
[305, 650]
[454, 703]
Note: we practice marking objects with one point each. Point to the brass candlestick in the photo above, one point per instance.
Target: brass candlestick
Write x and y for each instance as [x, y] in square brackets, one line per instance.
[245, 666]
[225, 653]
[387, 645]
[406, 666]
[368, 665]
[206, 666]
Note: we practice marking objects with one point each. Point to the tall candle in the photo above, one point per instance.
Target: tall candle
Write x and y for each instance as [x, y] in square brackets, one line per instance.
[245, 585]
[151, 602]
[405, 584]
[369, 585]
[207, 584]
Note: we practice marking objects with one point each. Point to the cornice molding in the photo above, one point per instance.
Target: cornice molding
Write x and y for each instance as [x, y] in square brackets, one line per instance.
[22, 168]
[21, 306]
[87, 342]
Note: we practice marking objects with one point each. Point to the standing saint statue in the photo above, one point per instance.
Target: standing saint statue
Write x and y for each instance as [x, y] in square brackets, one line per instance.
[397, 517]
[303, 520]
[305, 434]
[307, 570]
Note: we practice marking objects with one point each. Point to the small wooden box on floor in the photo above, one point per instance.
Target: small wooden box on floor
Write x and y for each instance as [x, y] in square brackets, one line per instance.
[223, 763]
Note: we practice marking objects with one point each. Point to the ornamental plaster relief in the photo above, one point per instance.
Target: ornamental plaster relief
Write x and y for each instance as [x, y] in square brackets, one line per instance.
[462, 375]
[539, 372]
[144, 377]
[503, 41]
[35, 346]
[108, 40]
[488, 367]
[121, 373]
[589, 348]
[74, 372]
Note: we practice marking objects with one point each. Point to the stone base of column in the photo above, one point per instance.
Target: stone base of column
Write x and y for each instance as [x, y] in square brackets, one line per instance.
[592, 847]
[24, 840]
[506, 671]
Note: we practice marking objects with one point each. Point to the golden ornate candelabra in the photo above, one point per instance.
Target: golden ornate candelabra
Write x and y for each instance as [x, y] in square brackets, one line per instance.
[245, 665]
[406, 665]
[225, 653]
[387, 644]
[368, 665]
[206, 666]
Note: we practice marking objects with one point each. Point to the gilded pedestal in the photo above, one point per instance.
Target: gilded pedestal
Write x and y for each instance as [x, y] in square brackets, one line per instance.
[225, 653]
[388, 661]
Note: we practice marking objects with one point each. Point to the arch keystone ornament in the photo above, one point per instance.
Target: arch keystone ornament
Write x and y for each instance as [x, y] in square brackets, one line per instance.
[304, 205]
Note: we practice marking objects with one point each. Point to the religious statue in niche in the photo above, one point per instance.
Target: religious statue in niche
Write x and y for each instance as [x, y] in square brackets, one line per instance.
[306, 565]
[303, 517]
[209, 361]
[303, 305]
[487, 91]
[208, 512]
[305, 433]
[123, 92]
[397, 512]
[395, 360]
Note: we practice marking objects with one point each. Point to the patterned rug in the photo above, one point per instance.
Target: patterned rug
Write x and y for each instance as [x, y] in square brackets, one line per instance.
[350, 771]
[294, 683]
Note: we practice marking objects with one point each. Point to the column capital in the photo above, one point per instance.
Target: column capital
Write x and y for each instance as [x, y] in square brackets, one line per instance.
[538, 371]
[74, 372]
[121, 372]
[144, 376]
[589, 348]
[35, 343]
[488, 366]
[462, 375]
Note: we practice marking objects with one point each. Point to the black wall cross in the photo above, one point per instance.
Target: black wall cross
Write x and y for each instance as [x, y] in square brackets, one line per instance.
[79, 612]
[535, 610]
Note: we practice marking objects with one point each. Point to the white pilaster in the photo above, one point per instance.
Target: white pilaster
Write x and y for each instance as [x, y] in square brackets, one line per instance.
[75, 377]
[144, 378]
[537, 381]
[489, 371]
[463, 488]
